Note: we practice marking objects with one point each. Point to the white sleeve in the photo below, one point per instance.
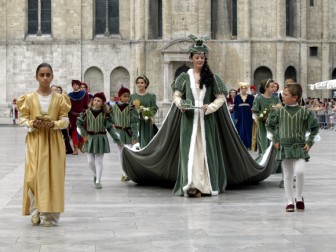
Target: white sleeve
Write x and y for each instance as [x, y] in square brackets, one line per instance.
[216, 104]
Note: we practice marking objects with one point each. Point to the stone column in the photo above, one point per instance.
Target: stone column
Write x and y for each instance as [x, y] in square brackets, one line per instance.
[279, 77]
[326, 74]
[204, 17]
[247, 63]
[166, 19]
[303, 21]
[140, 19]
[166, 82]
[132, 19]
[302, 79]
[140, 23]
[243, 13]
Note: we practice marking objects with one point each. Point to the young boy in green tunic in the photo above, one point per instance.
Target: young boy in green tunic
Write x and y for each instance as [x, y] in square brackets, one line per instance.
[93, 124]
[288, 126]
[126, 118]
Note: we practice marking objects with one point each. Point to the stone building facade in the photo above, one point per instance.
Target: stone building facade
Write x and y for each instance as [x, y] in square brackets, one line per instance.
[250, 41]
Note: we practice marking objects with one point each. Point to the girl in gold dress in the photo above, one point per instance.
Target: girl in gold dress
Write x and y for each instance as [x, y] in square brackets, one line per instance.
[44, 113]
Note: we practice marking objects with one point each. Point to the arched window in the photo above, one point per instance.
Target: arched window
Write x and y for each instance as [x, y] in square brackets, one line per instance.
[155, 19]
[39, 17]
[119, 76]
[95, 80]
[107, 17]
[261, 73]
[333, 75]
[290, 73]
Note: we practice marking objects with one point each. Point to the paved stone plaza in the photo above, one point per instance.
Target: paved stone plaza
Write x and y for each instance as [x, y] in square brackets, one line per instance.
[127, 217]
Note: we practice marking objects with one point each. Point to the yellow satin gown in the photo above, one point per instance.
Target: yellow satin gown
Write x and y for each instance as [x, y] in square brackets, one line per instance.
[45, 153]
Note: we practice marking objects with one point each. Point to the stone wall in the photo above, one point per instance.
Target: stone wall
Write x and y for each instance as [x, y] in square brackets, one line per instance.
[73, 50]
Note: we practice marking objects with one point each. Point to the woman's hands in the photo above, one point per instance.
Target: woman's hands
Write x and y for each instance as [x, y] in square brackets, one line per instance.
[43, 124]
[204, 107]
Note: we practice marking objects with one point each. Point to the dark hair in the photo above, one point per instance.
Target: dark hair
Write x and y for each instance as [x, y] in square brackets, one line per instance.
[43, 65]
[295, 89]
[265, 84]
[142, 77]
[60, 88]
[207, 77]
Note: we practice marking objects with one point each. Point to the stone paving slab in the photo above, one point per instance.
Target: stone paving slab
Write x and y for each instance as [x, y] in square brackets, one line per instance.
[124, 216]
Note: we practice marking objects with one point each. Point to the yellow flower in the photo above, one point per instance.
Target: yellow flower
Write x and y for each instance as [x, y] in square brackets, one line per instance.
[137, 103]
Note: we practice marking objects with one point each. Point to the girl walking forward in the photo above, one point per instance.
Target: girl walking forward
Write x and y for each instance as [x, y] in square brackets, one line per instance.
[288, 126]
[263, 103]
[93, 124]
[146, 104]
[44, 113]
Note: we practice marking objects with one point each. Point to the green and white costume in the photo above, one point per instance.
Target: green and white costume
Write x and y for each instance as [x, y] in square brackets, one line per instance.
[259, 105]
[289, 126]
[94, 124]
[126, 119]
[145, 127]
[201, 163]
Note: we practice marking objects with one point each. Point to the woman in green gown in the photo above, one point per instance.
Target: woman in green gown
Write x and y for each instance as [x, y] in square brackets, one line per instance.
[198, 94]
[262, 105]
[145, 102]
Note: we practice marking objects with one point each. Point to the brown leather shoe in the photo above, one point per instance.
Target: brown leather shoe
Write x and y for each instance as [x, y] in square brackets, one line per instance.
[75, 151]
[290, 208]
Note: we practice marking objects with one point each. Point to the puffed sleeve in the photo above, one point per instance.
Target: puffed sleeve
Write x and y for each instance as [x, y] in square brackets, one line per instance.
[256, 105]
[64, 108]
[219, 85]
[178, 87]
[313, 126]
[219, 91]
[109, 122]
[23, 105]
[272, 124]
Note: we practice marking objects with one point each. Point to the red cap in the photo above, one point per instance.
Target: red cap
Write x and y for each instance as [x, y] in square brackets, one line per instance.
[252, 87]
[100, 95]
[123, 90]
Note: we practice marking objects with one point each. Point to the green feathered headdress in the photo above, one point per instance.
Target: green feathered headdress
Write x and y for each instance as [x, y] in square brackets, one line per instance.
[199, 46]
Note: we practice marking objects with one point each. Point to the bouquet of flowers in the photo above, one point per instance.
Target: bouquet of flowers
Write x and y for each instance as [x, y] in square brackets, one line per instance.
[264, 114]
[145, 112]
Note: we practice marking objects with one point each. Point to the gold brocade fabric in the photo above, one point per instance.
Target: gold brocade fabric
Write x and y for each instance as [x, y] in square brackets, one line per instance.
[45, 153]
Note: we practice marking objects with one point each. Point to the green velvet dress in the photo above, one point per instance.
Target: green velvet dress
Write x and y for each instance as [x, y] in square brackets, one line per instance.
[201, 162]
[259, 105]
[145, 127]
[289, 126]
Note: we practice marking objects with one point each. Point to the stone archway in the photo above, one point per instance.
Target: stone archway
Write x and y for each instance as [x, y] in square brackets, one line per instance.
[261, 73]
[119, 76]
[182, 69]
[290, 73]
[175, 55]
[333, 75]
[95, 79]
